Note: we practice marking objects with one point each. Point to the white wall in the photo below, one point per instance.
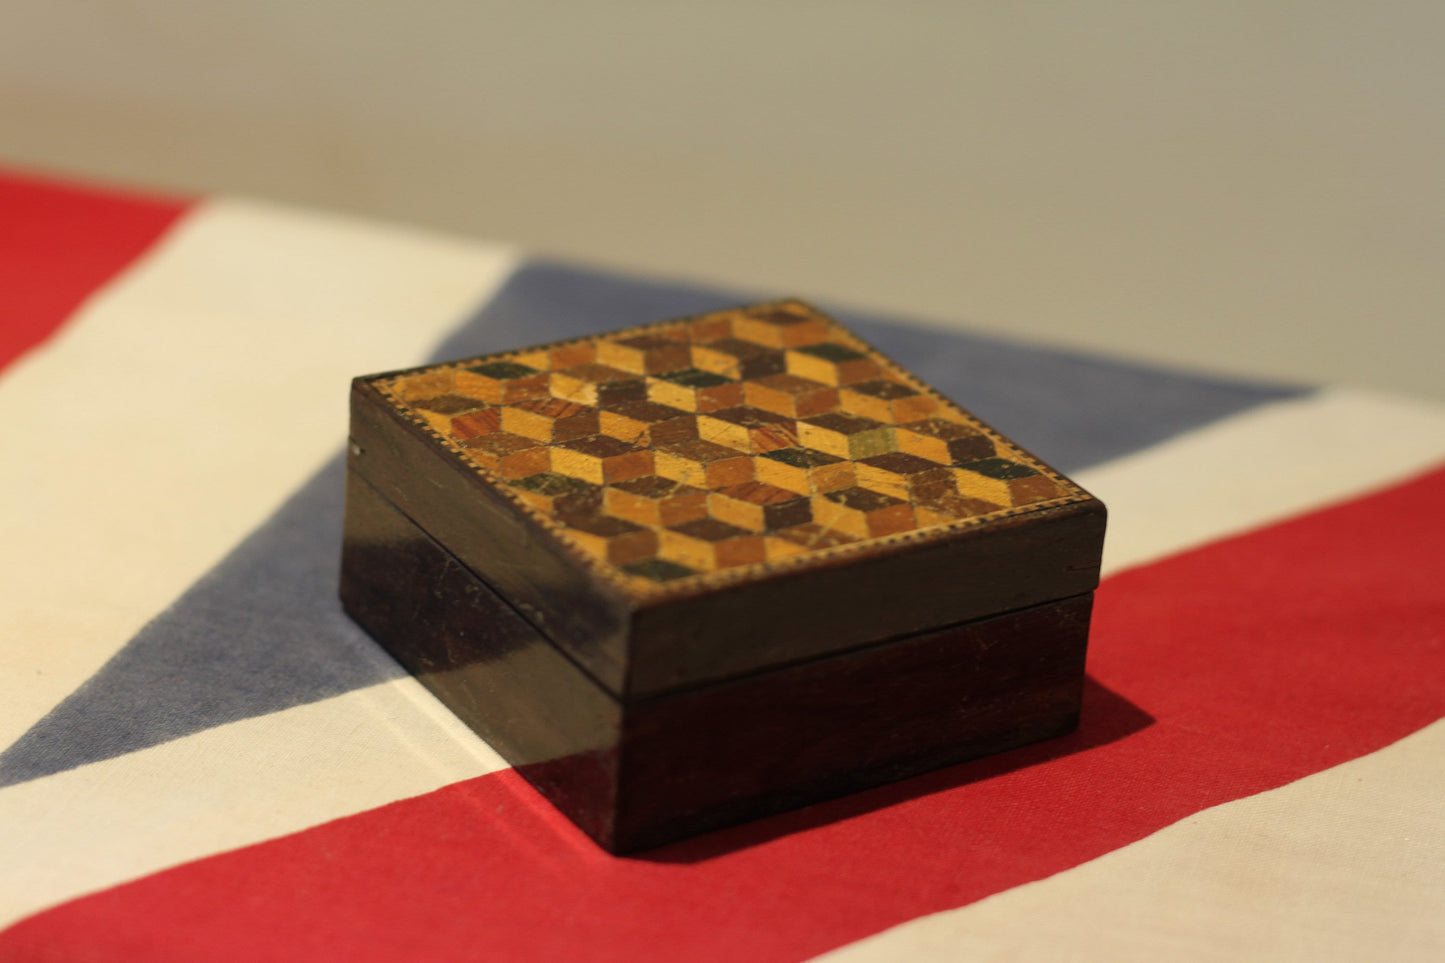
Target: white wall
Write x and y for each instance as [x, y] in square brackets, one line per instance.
[1253, 187]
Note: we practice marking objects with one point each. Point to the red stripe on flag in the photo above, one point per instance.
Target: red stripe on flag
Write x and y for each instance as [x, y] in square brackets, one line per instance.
[1262, 659]
[58, 244]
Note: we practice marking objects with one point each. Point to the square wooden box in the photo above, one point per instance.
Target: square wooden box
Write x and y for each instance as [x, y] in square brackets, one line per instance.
[691, 573]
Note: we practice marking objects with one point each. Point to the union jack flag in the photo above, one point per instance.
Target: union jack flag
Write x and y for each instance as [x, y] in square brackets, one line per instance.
[201, 758]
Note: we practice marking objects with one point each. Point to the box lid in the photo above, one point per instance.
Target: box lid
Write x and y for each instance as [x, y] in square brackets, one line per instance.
[697, 499]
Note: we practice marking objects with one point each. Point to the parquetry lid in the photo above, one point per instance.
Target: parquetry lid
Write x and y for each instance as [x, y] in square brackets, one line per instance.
[755, 447]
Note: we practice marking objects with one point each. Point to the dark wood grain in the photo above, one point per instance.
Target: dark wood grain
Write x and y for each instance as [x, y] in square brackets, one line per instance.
[486, 663]
[688, 574]
[638, 772]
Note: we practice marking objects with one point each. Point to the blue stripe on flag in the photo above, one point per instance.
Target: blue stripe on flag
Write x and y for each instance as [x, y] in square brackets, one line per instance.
[263, 631]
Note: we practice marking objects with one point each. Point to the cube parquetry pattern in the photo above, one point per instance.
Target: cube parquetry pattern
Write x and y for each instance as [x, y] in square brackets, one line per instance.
[742, 438]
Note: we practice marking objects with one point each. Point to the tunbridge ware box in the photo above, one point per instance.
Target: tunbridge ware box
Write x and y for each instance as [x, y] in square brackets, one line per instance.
[691, 573]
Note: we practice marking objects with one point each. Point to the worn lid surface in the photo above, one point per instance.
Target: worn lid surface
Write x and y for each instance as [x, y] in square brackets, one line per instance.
[696, 457]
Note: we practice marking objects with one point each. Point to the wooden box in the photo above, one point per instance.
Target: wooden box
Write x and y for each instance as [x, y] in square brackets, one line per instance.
[691, 573]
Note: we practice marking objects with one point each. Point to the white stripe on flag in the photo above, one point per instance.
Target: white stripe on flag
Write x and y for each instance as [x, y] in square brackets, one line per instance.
[1260, 467]
[182, 405]
[108, 822]
[1347, 864]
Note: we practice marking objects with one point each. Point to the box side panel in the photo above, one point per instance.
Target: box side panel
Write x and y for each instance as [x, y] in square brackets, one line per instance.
[509, 552]
[1027, 560]
[727, 753]
[483, 661]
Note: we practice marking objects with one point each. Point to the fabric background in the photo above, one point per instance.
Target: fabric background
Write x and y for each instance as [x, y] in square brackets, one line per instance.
[201, 758]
